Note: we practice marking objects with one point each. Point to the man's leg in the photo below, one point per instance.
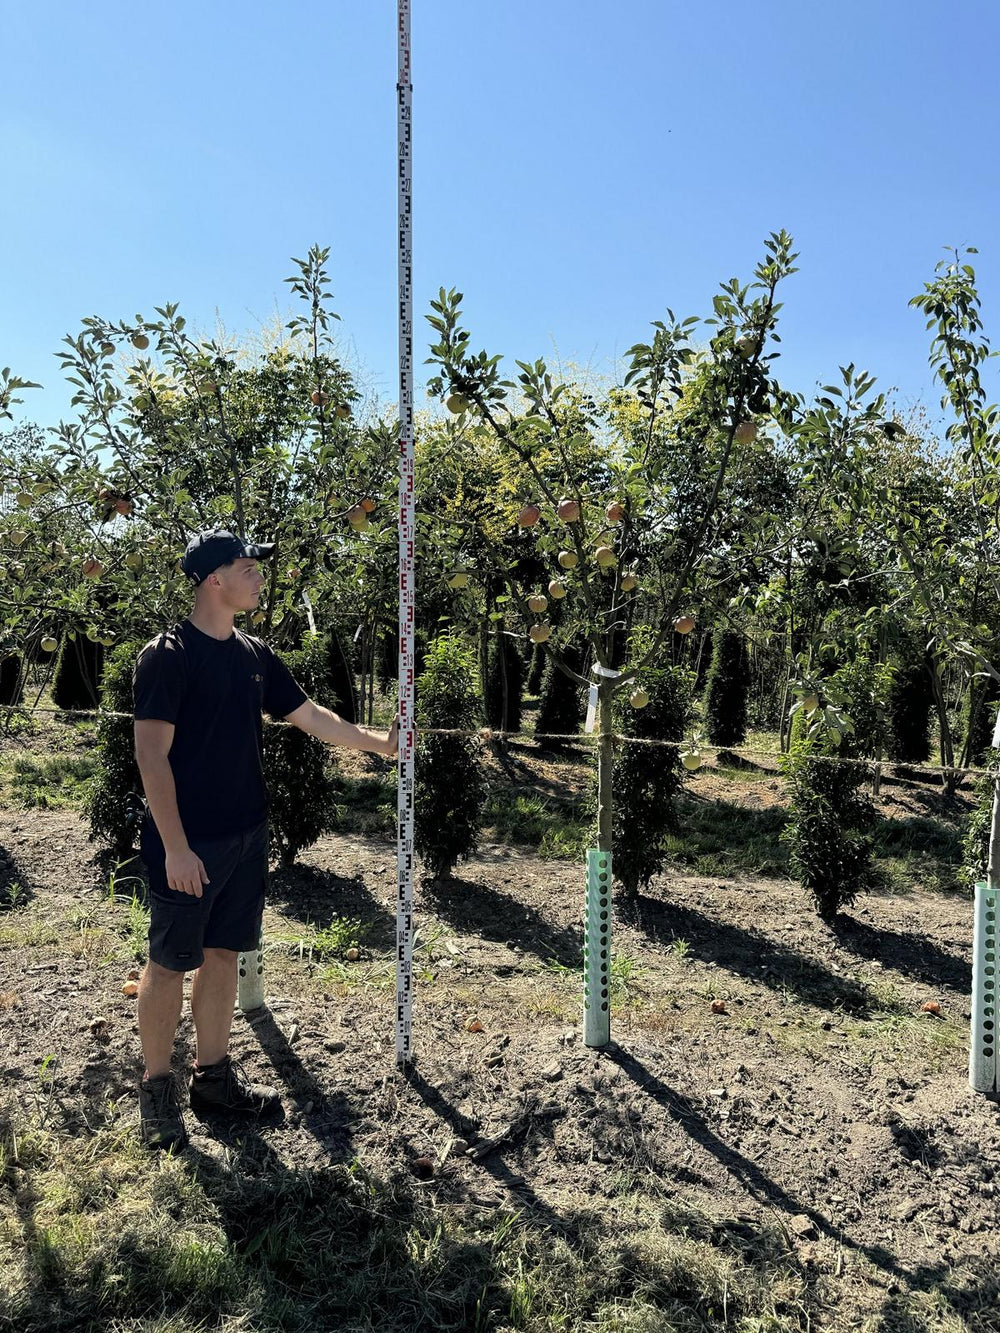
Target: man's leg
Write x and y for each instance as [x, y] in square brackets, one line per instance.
[161, 992]
[213, 999]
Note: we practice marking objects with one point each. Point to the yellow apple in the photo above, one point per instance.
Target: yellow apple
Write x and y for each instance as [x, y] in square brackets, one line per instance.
[343, 411]
[629, 582]
[810, 702]
[605, 557]
[459, 579]
[691, 760]
[568, 559]
[557, 590]
[49, 644]
[536, 602]
[539, 633]
[638, 698]
[457, 403]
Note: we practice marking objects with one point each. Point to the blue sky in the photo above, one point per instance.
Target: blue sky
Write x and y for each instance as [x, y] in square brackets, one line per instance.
[578, 168]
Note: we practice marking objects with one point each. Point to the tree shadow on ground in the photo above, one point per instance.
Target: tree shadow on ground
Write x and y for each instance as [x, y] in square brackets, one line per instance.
[914, 955]
[492, 914]
[318, 897]
[17, 887]
[748, 953]
[720, 837]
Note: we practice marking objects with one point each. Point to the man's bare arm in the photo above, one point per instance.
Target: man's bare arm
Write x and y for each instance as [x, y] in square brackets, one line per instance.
[185, 871]
[327, 726]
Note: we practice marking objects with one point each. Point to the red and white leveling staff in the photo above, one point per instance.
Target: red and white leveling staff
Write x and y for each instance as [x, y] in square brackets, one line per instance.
[404, 849]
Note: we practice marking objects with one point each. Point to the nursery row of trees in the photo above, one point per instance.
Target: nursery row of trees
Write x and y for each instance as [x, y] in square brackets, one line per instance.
[701, 516]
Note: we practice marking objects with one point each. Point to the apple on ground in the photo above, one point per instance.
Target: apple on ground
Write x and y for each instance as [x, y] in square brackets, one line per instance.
[568, 559]
[539, 633]
[683, 624]
[536, 602]
[529, 516]
[568, 510]
[557, 590]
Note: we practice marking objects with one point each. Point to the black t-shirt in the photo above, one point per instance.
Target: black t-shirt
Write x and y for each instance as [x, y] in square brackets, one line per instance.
[213, 691]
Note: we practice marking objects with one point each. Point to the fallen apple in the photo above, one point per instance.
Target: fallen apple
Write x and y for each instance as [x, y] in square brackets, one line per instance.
[557, 590]
[615, 512]
[691, 760]
[683, 625]
[529, 516]
[459, 580]
[568, 510]
[629, 582]
[539, 633]
[352, 955]
[605, 557]
[49, 644]
[140, 341]
[638, 698]
[568, 559]
[92, 568]
[930, 1007]
[536, 602]
[457, 403]
[746, 433]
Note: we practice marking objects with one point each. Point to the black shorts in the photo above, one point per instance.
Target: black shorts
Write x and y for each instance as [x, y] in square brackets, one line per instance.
[228, 913]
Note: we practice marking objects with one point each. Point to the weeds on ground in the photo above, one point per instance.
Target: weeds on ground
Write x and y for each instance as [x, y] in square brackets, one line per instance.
[50, 783]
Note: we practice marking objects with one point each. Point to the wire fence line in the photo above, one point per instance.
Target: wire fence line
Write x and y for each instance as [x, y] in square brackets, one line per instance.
[588, 740]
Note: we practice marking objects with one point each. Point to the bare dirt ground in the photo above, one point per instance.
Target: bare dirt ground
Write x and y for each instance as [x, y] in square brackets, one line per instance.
[822, 1112]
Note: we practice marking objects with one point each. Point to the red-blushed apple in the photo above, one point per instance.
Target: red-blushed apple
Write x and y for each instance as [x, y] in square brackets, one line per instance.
[92, 568]
[319, 398]
[539, 633]
[568, 510]
[615, 512]
[357, 518]
[123, 505]
[529, 516]
[683, 625]
[368, 505]
[568, 559]
[557, 590]
[746, 433]
[536, 602]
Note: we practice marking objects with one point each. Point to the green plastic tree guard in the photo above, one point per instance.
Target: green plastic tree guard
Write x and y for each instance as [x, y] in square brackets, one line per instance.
[983, 1065]
[597, 950]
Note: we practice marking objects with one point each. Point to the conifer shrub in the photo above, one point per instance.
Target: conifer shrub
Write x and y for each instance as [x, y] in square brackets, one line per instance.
[504, 661]
[11, 679]
[339, 676]
[911, 698]
[114, 802]
[560, 706]
[450, 785]
[298, 769]
[830, 818]
[538, 659]
[727, 689]
[76, 682]
[647, 778]
[976, 840]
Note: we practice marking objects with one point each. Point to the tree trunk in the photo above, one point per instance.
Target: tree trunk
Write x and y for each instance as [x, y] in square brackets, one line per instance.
[605, 767]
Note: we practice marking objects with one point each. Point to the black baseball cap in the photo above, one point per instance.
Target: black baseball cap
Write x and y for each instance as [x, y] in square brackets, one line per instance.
[215, 547]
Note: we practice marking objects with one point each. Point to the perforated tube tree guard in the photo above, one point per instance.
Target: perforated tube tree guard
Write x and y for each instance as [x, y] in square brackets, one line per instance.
[983, 1064]
[250, 985]
[597, 950]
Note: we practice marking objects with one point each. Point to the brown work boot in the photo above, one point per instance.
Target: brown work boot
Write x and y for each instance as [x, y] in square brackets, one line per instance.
[161, 1124]
[225, 1087]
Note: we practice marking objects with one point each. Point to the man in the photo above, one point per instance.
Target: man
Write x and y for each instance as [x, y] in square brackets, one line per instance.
[199, 692]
